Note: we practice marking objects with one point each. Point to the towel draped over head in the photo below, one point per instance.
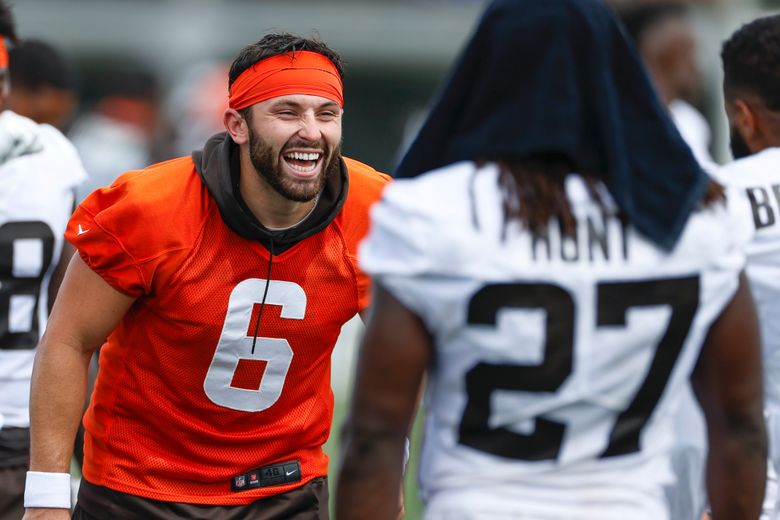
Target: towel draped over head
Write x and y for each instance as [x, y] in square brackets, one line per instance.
[558, 77]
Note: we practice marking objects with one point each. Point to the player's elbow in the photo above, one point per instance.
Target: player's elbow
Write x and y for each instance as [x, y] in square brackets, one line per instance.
[743, 428]
[369, 446]
[366, 442]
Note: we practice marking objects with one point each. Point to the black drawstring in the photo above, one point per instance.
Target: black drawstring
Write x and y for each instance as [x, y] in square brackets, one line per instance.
[265, 293]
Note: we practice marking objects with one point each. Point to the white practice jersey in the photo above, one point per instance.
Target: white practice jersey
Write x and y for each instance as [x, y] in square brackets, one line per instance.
[558, 361]
[757, 180]
[36, 200]
[695, 131]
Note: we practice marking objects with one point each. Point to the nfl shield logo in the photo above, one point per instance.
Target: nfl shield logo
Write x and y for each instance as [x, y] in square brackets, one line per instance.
[240, 481]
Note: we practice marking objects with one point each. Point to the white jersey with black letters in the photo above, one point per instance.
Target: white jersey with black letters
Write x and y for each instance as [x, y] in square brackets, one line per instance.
[36, 200]
[757, 179]
[558, 360]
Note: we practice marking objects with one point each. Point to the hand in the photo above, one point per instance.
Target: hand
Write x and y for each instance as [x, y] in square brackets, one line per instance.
[42, 513]
[18, 136]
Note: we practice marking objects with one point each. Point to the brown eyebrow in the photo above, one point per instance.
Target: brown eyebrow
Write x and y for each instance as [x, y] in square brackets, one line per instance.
[292, 104]
[331, 105]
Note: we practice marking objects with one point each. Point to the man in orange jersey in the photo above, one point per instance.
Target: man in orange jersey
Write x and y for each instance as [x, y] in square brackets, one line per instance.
[221, 281]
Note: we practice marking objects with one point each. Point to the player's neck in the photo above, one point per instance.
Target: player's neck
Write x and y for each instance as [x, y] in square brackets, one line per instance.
[269, 207]
[768, 138]
[772, 135]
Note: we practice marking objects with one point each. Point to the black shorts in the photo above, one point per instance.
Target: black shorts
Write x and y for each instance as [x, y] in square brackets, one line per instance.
[12, 492]
[14, 461]
[308, 502]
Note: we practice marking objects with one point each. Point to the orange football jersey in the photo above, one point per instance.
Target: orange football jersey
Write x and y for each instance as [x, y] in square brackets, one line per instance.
[192, 391]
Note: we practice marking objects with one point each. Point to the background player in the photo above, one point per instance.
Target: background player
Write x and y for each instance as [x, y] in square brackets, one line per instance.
[559, 317]
[751, 66]
[44, 84]
[666, 41]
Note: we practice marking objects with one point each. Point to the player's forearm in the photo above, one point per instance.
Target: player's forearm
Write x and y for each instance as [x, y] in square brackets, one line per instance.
[736, 470]
[370, 477]
[57, 396]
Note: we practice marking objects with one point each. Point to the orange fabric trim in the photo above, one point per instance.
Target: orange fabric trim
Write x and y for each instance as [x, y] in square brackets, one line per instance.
[3, 54]
[301, 72]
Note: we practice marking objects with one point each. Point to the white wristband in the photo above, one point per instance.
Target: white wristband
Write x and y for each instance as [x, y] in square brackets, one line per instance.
[47, 490]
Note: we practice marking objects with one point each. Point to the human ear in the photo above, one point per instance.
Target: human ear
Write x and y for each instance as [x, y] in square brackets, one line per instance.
[236, 126]
[744, 119]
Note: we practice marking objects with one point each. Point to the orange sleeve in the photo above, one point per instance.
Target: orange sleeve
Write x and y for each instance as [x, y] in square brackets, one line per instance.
[93, 231]
[125, 231]
[365, 188]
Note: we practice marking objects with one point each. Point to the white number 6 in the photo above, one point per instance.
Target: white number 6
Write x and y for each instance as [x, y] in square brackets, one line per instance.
[235, 345]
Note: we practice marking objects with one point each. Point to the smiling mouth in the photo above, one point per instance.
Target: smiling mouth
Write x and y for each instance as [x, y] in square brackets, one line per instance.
[303, 162]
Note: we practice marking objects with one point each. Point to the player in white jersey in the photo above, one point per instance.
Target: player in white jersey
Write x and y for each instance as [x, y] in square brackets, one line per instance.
[39, 170]
[751, 62]
[572, 340]
[666, 40]
[558, 317]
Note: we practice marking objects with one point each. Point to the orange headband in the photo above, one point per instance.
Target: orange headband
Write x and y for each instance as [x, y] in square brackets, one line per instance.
[300, 72]
[3, 54]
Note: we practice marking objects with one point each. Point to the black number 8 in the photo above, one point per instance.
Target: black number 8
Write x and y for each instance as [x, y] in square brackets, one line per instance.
[14, 281]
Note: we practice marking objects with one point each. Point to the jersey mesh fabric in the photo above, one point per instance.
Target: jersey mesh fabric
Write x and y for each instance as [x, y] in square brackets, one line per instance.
[550, 446]
[153, 428]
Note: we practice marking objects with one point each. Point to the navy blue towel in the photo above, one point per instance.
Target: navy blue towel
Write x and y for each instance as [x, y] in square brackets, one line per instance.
[558, 77]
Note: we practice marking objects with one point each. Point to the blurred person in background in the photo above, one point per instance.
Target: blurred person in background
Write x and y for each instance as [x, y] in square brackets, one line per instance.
[751, 67]
[39, 170]
[196, 104]
[222, 280]
[551, 268]
[121, 130]
[44, 85]
[44, 88]
[666, 40]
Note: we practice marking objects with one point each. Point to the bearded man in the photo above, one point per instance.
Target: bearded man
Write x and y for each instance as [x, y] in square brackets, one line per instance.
[221, 281]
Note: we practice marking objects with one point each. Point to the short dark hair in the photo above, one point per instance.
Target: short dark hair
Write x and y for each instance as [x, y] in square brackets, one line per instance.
[638, 20]
[751, 61]
[35, 64]
[280, 43]
[7, 23]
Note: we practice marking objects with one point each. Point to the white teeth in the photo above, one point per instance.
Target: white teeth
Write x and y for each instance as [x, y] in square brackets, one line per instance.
[301, 168]
[300, 156]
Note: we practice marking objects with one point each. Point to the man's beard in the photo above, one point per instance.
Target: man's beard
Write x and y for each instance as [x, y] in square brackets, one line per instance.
[269, 168]
[739, 147]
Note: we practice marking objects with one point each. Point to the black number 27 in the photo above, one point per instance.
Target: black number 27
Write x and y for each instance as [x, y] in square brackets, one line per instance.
[614, 299]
